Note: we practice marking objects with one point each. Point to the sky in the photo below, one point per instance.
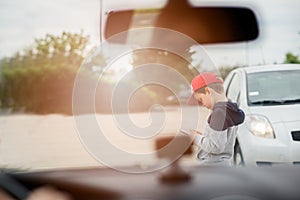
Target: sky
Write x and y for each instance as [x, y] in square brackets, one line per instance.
[279, 33]
[23, 21]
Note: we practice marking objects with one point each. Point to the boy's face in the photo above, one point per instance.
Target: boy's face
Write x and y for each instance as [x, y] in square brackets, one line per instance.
[204, 98]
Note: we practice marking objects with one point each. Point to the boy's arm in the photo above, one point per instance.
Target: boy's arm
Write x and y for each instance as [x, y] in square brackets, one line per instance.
[194, 131]
[190, 132]
[213, 141]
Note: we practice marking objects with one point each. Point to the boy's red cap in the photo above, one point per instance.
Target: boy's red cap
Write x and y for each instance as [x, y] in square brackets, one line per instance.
[202, 80]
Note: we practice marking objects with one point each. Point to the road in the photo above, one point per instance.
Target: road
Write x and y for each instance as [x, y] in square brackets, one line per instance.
[37, 142]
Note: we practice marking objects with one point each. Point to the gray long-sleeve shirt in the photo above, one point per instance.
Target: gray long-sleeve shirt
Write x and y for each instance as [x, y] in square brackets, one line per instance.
[215, 147]
[216, 143]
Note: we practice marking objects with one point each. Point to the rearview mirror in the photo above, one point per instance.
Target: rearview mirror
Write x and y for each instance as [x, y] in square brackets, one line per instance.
[206, 24]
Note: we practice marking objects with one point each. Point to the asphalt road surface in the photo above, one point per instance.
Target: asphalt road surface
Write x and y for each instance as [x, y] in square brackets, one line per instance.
[37, 142]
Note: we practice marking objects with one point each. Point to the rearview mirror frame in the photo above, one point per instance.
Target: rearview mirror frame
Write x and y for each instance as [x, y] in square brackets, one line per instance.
[208, 24]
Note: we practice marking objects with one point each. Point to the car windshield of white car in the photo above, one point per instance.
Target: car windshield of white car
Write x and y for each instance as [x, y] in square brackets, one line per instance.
[273, 88]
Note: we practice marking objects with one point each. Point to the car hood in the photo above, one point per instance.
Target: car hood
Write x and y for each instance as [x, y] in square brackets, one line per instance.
[284, 113]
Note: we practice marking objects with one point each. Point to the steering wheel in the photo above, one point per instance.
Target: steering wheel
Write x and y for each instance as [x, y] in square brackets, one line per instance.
[13, 187]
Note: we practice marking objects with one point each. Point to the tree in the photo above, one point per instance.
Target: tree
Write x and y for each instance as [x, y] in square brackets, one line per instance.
[291, 58]
[180, 63]
[41, 78]
[225, 70]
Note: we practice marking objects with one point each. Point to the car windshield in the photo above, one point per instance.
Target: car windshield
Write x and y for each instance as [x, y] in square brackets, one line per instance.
[73, 94]
[273, 88]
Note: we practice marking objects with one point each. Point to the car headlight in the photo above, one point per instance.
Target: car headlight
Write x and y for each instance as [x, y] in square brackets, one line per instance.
[260, 126]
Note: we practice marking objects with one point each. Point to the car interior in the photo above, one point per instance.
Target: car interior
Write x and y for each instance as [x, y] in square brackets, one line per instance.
[205, 23]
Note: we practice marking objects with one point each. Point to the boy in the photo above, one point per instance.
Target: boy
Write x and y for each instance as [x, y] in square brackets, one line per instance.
[216, 143]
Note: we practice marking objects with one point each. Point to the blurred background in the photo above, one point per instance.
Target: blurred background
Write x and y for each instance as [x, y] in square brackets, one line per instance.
[21, 22]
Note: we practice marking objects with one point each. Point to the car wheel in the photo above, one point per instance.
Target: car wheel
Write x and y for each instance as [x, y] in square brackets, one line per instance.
[238, 156]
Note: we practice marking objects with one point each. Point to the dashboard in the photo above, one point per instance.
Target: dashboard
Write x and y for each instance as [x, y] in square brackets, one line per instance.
[207, 183]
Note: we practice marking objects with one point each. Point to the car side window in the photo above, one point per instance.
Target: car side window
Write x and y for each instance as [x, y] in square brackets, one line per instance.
[233, 91]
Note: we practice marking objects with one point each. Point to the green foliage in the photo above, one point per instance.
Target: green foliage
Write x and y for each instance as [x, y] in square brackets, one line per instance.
[169, 59]
[291, 58]
[166, 58]
[140, 101]
[41, 78]
[224, 71]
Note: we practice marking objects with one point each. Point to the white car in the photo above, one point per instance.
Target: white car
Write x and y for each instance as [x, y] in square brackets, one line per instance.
[270, 98]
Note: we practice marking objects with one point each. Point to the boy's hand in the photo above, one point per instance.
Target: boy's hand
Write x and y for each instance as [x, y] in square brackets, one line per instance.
[193, 131]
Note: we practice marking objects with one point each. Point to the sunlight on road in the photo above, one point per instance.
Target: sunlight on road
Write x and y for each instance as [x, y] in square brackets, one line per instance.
[36, 142]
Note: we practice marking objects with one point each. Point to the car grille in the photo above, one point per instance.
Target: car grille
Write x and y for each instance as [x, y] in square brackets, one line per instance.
[296, 135]
[263, 164]
[296, 163]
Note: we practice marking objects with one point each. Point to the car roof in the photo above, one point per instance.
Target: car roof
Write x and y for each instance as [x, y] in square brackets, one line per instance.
[274, 67]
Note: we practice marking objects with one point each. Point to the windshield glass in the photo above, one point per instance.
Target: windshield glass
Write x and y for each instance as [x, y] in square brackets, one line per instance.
[273, 88]
[73, 94]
